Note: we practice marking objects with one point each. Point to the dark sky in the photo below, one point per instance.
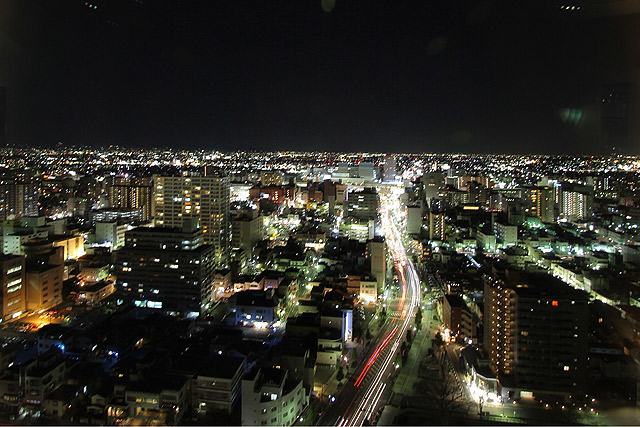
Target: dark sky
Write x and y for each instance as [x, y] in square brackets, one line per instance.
[419, 76]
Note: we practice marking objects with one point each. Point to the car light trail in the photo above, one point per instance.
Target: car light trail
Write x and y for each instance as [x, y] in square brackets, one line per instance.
[374, 356]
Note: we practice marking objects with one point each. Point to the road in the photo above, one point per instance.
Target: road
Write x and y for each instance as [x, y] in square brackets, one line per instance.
[366, 391]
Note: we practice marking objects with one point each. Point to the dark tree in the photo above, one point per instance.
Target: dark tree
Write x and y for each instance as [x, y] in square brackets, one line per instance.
[445, 398]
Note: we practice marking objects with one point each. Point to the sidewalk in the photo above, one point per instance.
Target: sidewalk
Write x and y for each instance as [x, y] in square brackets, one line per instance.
[403, 385]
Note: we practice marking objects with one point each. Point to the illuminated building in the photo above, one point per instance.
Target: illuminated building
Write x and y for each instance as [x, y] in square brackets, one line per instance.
[543, 203]
[205, 198]
[535, 333]
[437, 226]
[110, 233]
[486, 241]
[457, 318]
[18, 200]
[166, 268]
[271, 178]
[246, 231]
[14, 286]
[362, 205]
[576, 201]
[389, 171]
[507, 234]
[377, 251]
[44, 285]
[433, 184]
[271, 398]
[133, 194]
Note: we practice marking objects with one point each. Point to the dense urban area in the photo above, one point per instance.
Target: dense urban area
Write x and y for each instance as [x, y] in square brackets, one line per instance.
[167, 287]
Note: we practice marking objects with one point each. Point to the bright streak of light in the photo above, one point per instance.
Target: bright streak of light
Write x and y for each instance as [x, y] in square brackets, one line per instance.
[374, 356]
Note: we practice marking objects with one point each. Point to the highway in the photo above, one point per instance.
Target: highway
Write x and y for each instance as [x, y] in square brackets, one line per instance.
[367, 389]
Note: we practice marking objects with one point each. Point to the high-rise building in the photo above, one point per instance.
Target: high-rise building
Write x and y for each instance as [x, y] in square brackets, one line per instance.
[389, 171]
[543, 203]
[44, 284]
[536, 336]
[576, 201]
[133, 194]
[18, 200]
[433, 184]
[414, 219]
[247, 230]
[377, 251]
[166, 268]
[204, 198]
[14, 287]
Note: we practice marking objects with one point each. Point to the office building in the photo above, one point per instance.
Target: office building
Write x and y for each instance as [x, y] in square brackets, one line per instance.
[204, 198]
[166, 268]
[110, 233]
[389, 168]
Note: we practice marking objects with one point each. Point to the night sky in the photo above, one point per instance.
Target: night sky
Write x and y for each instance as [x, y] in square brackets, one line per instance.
[411, 76]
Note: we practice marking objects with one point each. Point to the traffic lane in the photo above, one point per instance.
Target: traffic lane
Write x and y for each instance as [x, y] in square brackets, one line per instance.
[345, 396]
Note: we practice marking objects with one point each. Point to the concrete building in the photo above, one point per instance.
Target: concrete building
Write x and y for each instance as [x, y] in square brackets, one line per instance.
[486, 241]
[536, 335]
[543, 203]
[110, 233]
[217, 384]
[44, 285]
[166, 268]
[433, 184]
[136, 194]
[204, 198]
[576, 201]
[14, 286]
[247, 230]
[437, 226]
[377, 252]
[362, 205]
[270, 398]
[414, 219]
[18, 200]
[158, 401]
[505, 233]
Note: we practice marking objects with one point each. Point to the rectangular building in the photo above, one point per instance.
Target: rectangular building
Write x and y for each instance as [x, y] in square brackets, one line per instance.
[203, 198]
[536, 335]
[166, 268]
[14, 286]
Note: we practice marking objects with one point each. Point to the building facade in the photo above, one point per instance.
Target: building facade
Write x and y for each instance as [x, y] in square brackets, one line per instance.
[204, 198]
